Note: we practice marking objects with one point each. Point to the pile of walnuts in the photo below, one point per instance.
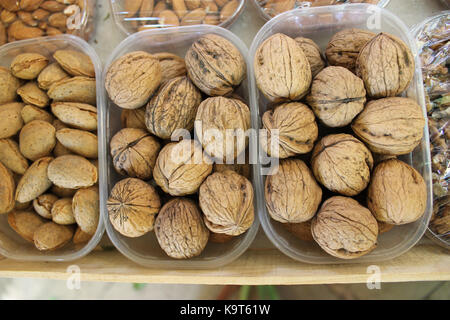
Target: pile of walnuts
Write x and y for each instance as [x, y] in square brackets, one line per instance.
[180, 188]
[337, 131]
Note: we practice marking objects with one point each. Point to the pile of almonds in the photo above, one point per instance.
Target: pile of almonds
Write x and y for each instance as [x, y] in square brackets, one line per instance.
[48, 162]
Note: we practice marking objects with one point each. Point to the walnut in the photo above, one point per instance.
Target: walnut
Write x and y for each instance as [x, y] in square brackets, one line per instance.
[181, 168]
[386, 66]
[172, 65]
[384, 227]
[282, 70]
[345, 229]
[397, 193]
[134, 153]
[300, 230]
[173, 107]
[180, 229]
[337, 96]
[215, 65]
[132, 79]
[132, 206]
[297, 130]
[291, 192]
[313, 54]
[390, 126]
[226, 199]
[342, 164]
[344, 47]
[221, 124]
[133, 118]
[244, 169]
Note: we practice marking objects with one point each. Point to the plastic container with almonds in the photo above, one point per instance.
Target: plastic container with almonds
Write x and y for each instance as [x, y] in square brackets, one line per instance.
[20, 20]
[137, 15]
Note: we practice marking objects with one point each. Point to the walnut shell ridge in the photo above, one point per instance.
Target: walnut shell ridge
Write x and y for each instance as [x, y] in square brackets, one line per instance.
[397, 193]
[313, 54]
[390, 126]
[337, 96]
[342, 164]
[180, 229]
[386, 65]
[226, 199]
[345, 229]
[292, 194]
[215, 65]
[282, 70]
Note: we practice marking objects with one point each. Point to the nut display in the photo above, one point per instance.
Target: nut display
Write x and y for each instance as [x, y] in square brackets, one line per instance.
[292, 194]
[313, 54]
[296, 130]
[337, 96]
[274, 64]
[390, 126]
[345, 229]
[397, 193]
[342, 164]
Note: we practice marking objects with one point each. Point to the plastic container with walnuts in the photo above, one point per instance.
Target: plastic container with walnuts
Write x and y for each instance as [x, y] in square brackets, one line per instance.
[320, 24]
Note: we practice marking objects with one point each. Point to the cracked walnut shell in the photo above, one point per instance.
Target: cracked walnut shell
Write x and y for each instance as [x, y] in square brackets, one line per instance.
[282, 70]
[386, 66]
[292, 194]
[313, 54]
[173, 107]
[345, 229]
[397, 193]
[132, 206]
[226, 199]
[180, 229]
[337, 96]
[132, 79]
[134, 153]
[390, 126]
[297, 130]
[342, 164]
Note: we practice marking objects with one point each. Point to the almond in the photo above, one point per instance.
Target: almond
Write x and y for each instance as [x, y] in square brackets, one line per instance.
[81, 142]
[194, 17]
[75, 63]
[34, 182]
[25, 223]
[11, 157]
[51, 236]
[7, 188]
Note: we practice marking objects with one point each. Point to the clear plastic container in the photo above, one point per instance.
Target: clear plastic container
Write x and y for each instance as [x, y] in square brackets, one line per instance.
[132, 20]
[145, 250]
[11, 244]
[320, 24]
[267, 12]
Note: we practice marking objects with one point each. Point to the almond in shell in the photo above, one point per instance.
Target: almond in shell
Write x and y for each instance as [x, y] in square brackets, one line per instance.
[11, 157]
[72, 172]
[62, 211]
[8, 86]
[43, 205]
[78, 141]
[51, 74]
[76, 89]
[78, 115]
[7, 187]
[35, 181]
[28, 65]
[75, 63]
[25, 223]
[10, 119]
[85, 208]
[30, 113]
[37, 139]
[52, 236]
[32, 94]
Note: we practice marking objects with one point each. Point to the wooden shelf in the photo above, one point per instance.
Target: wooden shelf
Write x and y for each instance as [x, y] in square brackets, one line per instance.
[425, 262]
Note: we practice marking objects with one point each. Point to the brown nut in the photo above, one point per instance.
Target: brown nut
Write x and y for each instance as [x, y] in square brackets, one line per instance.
[282, 70]
[215, 65]
[173, 107]
[86, 209]
[291, 192]
[134, 153]
[228, 10]
[180, 229]
[50, 75]
[168, 18]
[7, 189]
[40, 14]
[35, 181]
[37, 139]
[7, 17]
[397, 193]
[342, 164]
[243, 169]
[30, 113]
[337, 96]
[345, 229]
[62, 211]
[221, 125]
[53, 6]
[58, 20]
[72, 172]
[20, 31]
[344, 47]
[133, 118]
[386, 66]
[28, 65]
[313, 54]
[11, 157]
[10, 5]
[32, 94]
[297, 130]
[132, 79]
[132, 206]
[10, 119]
[226, 199]
[78, 115]
[8, 86]
[384, 227]
[43, 205]
[81, 237]
[391, 126]
[78, 141]
[52, 236]
[25, 223]
[220, 237]
[194, 17]
[75, 63]
[181, 168]
[300, 230]
[172, 65]
[76, 89]
[30, 5]
[192, 4]
[63, 192]
[131, 7]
